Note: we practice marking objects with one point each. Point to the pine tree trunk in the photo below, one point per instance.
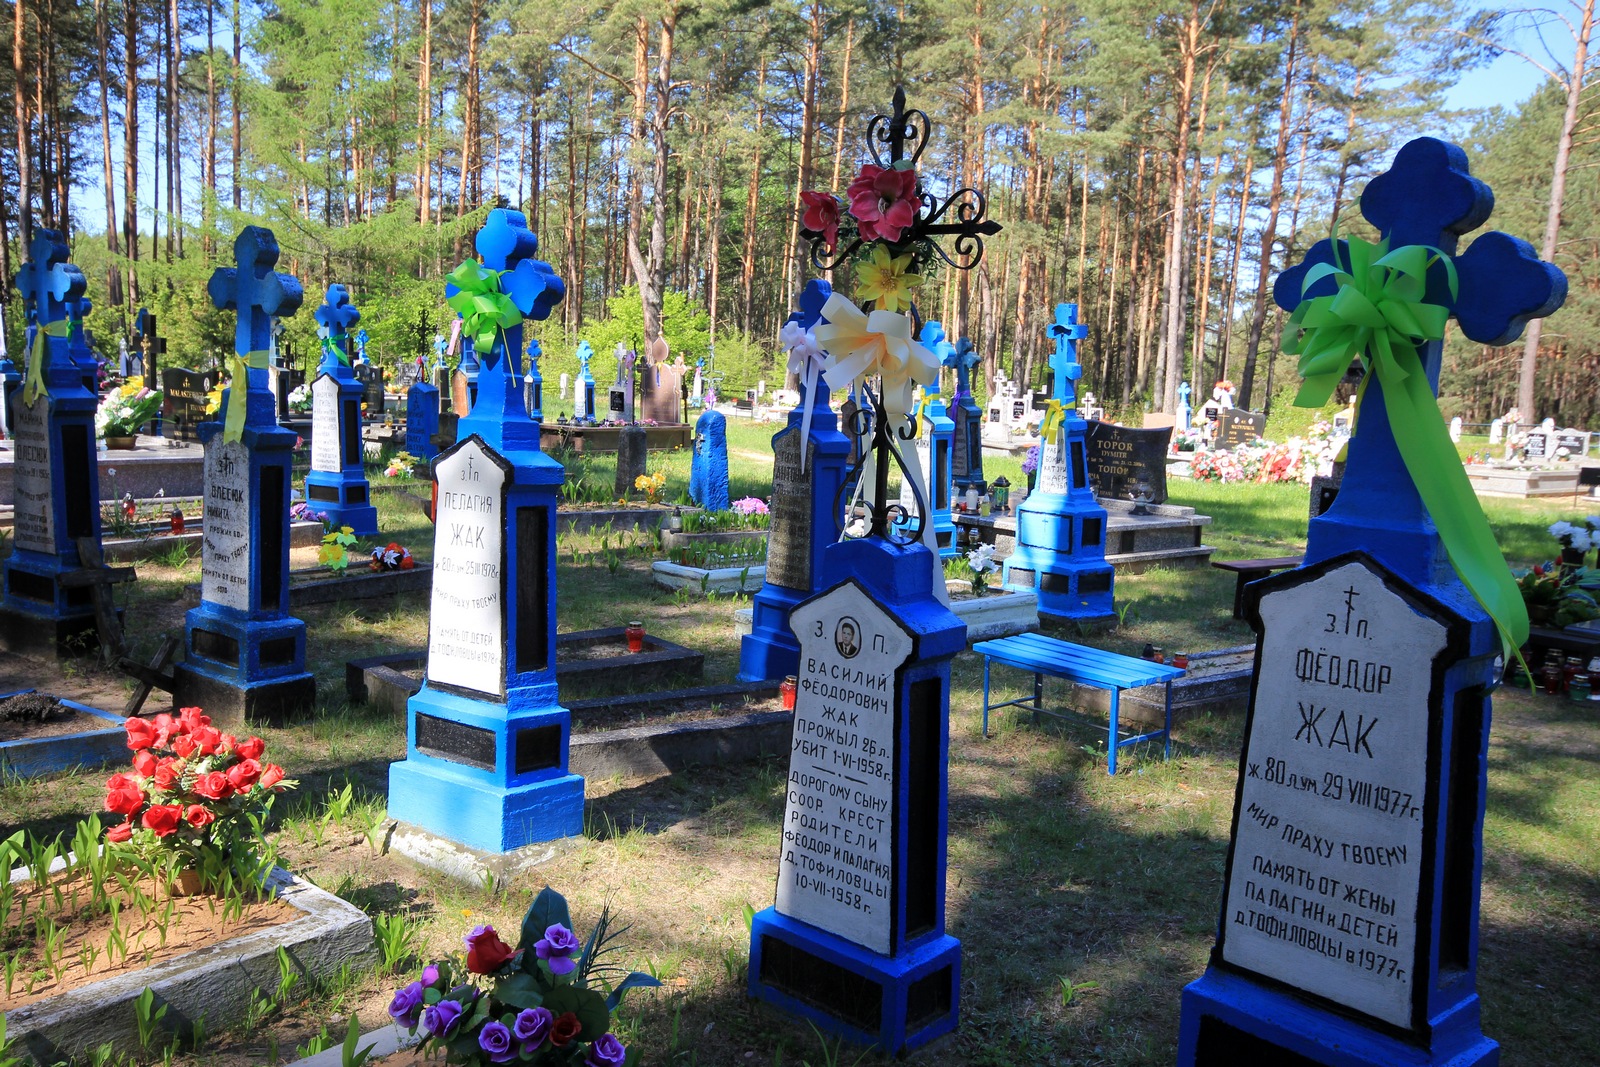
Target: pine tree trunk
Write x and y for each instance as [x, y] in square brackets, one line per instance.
[747, 276]
[174, 157]
[425, 115]
[1178, 223]
[233, 94]
[130, 148]
[102, 38]
[19, 102]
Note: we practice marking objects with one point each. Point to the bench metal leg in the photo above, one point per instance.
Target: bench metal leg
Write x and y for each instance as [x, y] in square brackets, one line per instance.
[1169, 720]
[1111, 757]
[1038, 696]
[986, 696]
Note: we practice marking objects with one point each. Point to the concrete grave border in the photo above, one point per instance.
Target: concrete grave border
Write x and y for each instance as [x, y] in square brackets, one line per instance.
[31, 757]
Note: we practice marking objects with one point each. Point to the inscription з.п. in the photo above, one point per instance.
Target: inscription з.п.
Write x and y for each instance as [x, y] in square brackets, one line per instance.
[789, 544]
[225, 556]
[35, 525]
[837, 865]
[1327, 854]
[325, 435]
[466, 636]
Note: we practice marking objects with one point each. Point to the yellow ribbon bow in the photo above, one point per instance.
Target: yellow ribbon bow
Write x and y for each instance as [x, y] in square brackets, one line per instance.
[239, 368]
[37, 384]
[1054, 415]
[1378, 315]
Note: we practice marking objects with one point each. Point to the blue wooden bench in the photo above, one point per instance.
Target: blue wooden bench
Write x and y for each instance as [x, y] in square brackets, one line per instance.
[1041, 655]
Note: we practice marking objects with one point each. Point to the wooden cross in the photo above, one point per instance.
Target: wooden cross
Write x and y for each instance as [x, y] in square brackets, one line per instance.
[98, 578]
[155, 675]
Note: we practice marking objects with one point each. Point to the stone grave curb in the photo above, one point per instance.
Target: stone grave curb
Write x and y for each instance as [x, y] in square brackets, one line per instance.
[378, 680]
[385, 1041]
[124, 549]
[672, 540]
[603, 438]
[702, 580]
[646, 751]
[359, 586]
[1518, 483]
[215, 981]
[998, 613]
[618, 518]
[1219, 692]
[33, 757]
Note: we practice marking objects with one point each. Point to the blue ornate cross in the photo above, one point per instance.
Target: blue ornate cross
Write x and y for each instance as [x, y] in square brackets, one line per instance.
[1427, 197]
[506, 244]
[47, 281]
[1067, 331]
[966, 358]
[933, 339]
[585, 354]
[361, 344]
[336, 316]
[254, 289]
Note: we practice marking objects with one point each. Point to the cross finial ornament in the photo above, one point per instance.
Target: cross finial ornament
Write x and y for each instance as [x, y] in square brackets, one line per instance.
[254, 289]
[47, 281]
[1067, 331]
[337, 314]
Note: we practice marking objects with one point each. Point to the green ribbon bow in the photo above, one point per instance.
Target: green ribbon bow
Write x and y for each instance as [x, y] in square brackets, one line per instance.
[1379, 315]
[335, 346]
[238, 388]
[484, 307]
[37, 384]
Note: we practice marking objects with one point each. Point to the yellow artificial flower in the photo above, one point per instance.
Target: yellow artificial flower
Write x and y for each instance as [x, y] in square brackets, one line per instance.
[860, 345]
[886, 280]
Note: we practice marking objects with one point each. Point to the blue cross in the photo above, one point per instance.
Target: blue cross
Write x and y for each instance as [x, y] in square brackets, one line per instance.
[254, 289]
[1067, 331]
[506, 244]
[585, 354]
[1427, 197]
[47, 281]
[933, 339]
[966, 358]
[337, 314]
[361, 343]
[144, 325]
[812, 297]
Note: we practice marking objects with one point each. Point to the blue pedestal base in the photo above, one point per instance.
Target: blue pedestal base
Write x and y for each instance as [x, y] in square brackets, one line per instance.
[344, 499]
[462, 808]
[237, 669]
[39, 615]
[1229, 1020]
[770, 651]
[894, 1002]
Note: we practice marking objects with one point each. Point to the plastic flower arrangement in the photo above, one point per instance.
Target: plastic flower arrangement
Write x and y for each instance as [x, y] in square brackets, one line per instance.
[1557, 595]
[300, 399]
[1030, 461]
[402, 465]
[300, 511]
[126, 408]
[750, 505]
[537, 1003]
[982, 563]
[392, 557]
[651, 486]
[196, 793]
[335, 551]
[1576, 538]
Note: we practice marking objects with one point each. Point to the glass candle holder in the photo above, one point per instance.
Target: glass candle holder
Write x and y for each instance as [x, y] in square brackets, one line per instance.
[176, 519]
[635, 635]
[787, 690]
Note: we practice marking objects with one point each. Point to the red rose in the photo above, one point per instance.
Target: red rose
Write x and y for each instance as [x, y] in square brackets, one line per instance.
[168, 771]
[207, 738]
[229, 743]
[564, 1029]
[486, 953]
[144, 762]
[184, 745]
[250, 749]
[123, 795]
[120, 832]
[193, 718]
[213, 786]
[243, 775]
[162, 818]
[271, 775]
[141, 734]
[198, 816]
[165, 726]
[406, 562]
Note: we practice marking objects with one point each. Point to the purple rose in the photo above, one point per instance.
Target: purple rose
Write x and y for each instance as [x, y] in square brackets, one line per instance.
[557, 945]
[440, 1018]
[495, 1039]
[532, 1026]
[430, 975]
[606, 1051]
[406, 1007]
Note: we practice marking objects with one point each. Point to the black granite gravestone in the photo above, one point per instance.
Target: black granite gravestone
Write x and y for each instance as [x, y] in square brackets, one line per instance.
[183, 402]
[371, 379]
[1123, 460]
[1236, 426]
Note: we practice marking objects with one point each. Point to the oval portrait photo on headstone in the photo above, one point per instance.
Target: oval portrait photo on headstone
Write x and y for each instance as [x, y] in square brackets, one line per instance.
[847, 637]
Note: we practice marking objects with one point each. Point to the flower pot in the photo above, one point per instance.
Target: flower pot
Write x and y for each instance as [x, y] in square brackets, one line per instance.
[1572, 557]
[121, 442]
[185, 884]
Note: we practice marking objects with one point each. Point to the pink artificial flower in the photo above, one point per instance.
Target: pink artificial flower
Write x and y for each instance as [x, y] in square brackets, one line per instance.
[822, 216]
[884, 201]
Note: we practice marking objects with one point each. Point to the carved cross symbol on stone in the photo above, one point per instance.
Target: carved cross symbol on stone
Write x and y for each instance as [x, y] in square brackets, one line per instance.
[1067, 331]
[47, 281]
[1427, 197]
[254, 289]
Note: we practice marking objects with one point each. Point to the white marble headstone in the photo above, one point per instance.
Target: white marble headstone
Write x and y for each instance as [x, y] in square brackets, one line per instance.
[467, 629]
[326, 454]
[1327, 859]
[35, 521]
[836, 870]
[225, 554]
[1497, 429]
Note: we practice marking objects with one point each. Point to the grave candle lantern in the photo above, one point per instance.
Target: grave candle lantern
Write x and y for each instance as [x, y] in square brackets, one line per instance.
[634, 632]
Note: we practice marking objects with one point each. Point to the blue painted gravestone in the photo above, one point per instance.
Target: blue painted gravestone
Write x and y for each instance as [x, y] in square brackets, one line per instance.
[583, 394]
[245, 654]
[533, 384]
[935, 441]
[1349, 926]
[966, 460]
[78, 342]
[809, 456]
[486, 740]
[422, 408]
[337, 482]
[1061, 528]
[361, 345]
[56, 475]
[708, 470]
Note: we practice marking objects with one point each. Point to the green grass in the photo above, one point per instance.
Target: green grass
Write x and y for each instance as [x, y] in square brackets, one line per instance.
[1061, 879]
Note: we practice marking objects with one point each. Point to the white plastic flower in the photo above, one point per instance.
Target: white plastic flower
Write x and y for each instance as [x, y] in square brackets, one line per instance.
[981, 559]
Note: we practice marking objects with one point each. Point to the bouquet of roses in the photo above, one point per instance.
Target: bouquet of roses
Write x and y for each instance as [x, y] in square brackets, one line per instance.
[195, 792]
[530, 1004]
[392, 557]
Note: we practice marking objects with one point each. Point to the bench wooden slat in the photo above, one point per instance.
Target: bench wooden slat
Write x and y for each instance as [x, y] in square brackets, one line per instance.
[1062, 659]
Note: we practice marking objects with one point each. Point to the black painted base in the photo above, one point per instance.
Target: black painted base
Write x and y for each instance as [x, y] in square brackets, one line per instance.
[26, 634]
[275, 703]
